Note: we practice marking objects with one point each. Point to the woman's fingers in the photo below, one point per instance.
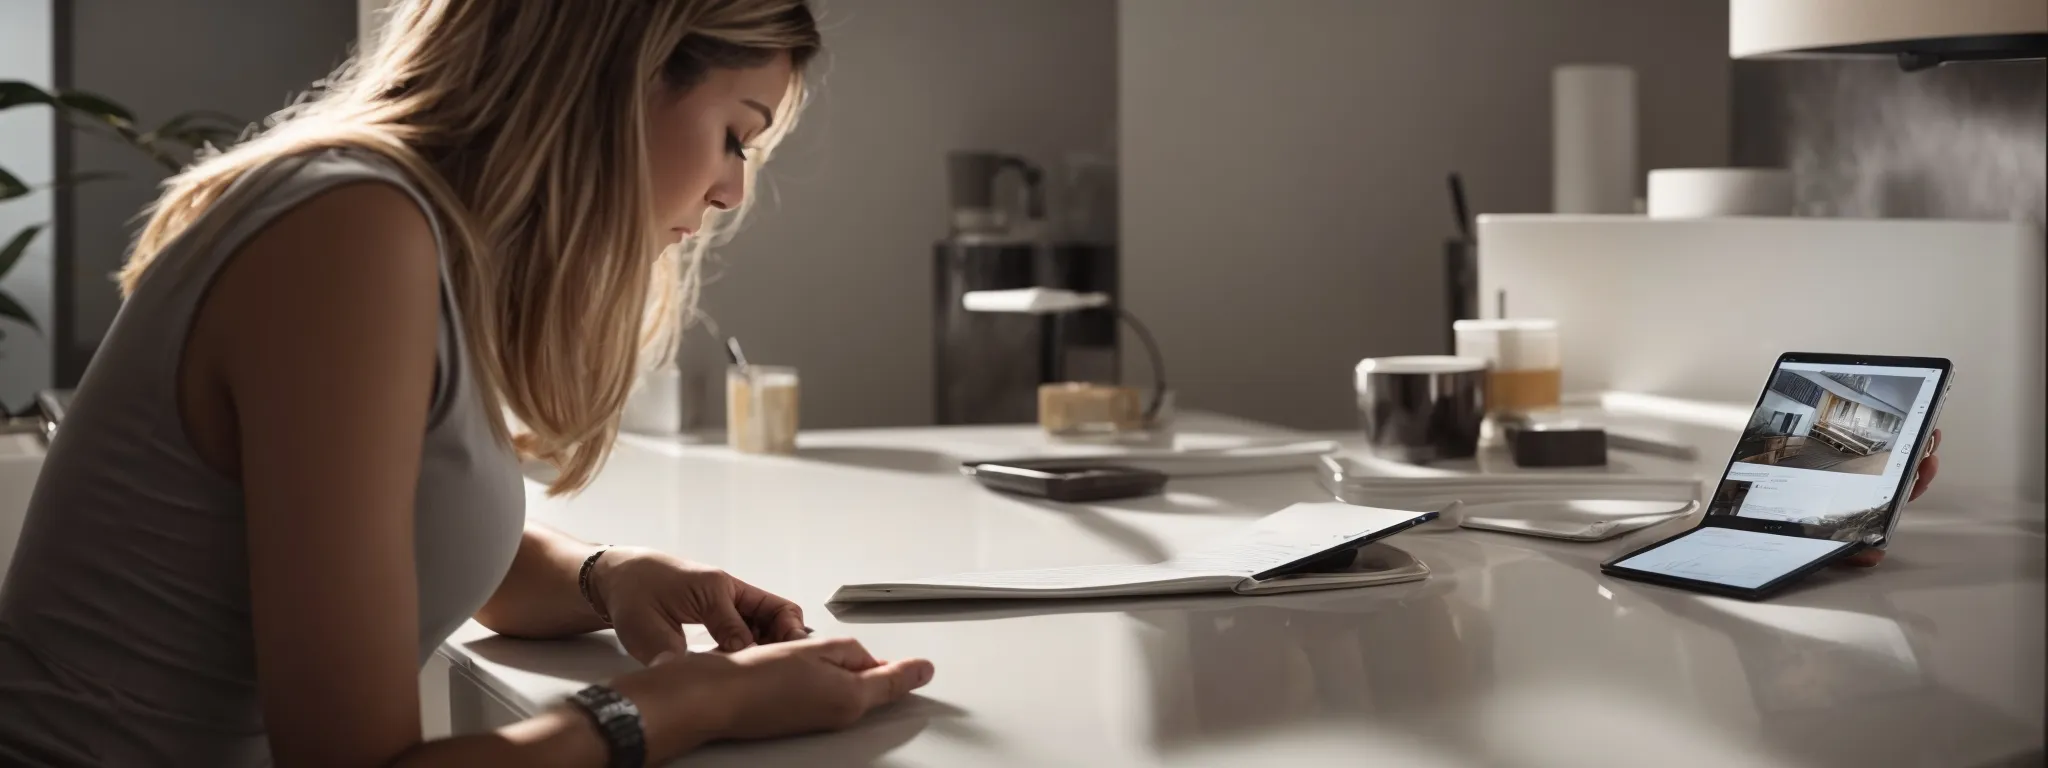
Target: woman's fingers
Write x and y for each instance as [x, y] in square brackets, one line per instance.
[787, 625]
[1864, 559]
[726, 626]
[773, 619]
[648, 634]
[894, 680]
[1929, 467]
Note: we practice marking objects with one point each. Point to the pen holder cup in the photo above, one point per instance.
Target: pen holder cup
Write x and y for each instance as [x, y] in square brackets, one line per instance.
[761, 409]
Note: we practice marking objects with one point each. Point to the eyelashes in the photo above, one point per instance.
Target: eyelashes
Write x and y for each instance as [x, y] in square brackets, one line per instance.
[734, 147]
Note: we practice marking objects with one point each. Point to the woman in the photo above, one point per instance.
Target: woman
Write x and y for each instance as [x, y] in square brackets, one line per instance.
[289, 473]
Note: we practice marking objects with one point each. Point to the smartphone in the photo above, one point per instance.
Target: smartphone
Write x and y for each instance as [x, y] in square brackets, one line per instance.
[1822, 469]
[1066, 480]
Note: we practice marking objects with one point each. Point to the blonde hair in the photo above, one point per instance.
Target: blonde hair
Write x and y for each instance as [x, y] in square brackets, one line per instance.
[524, 122]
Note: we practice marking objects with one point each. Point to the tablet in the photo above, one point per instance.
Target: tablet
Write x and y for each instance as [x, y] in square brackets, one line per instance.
[1822, 469]
[1834, 443]
[1729, 560]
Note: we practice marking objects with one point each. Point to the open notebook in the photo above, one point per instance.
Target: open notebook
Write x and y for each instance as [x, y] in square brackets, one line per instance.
[1326, 534]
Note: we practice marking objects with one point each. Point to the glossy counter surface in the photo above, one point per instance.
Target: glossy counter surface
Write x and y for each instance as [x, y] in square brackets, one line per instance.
[1515, 652]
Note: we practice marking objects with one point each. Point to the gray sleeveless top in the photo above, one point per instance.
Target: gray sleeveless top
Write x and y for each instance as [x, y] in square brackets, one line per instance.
[124, 619]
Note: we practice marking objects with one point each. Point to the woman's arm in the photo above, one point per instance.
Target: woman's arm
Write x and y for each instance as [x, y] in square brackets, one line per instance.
[541, 596]
[322, 332]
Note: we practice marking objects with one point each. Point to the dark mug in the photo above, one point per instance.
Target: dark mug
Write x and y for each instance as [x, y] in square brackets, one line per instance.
[1422, 409]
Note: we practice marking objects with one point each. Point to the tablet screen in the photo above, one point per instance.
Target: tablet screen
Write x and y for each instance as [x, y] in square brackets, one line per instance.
[1828, 447]
[1732, 556]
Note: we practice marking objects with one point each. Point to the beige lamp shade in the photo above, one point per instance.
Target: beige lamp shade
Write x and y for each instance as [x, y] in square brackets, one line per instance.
[1931, 30]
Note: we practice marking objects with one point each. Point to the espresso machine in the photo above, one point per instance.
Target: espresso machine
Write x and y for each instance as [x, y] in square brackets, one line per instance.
[988, 366]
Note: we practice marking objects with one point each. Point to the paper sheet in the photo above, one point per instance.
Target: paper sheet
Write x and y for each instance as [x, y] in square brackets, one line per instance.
[1300, 531]
[1079, 577]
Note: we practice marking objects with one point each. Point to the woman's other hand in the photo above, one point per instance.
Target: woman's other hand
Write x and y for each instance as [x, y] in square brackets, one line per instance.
[785, 689]
[765, 691]
[1929, 467]
[650, 595]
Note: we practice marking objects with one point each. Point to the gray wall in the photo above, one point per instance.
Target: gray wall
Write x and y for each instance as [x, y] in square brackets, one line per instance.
[243, 57]
[1283, 167]
[1964, 141]
[833, 271]
[27, 150]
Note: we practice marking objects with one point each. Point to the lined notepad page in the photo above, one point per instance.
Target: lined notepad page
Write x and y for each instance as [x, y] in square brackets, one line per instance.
[1294, 533]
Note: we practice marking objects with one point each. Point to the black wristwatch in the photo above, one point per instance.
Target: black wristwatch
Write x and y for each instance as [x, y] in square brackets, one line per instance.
[618, 721]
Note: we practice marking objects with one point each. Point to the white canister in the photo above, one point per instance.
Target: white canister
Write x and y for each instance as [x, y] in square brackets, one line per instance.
[1697, 193]
[655, 406]
[1593, 139]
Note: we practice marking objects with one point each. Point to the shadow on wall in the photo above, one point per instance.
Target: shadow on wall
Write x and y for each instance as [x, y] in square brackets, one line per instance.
[1865, 140]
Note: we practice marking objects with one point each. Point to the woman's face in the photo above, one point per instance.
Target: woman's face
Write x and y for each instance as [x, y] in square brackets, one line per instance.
[698, 141]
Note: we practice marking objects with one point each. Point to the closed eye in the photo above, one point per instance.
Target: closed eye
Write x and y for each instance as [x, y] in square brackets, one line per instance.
[734, 147]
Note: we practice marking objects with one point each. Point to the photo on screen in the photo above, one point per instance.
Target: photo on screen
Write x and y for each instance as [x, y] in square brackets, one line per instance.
[1829, 421]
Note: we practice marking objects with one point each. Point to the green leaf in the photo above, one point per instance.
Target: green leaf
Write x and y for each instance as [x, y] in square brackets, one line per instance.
[11, 308]
[96, 105]
[16, 247]
[84, 178]
[11, 187]
[14, 93]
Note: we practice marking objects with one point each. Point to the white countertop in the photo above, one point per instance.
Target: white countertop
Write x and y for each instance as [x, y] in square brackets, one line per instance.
[1515, 652]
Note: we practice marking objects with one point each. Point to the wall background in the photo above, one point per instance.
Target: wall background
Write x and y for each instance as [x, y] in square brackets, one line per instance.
[247, 58]
[1284, 204]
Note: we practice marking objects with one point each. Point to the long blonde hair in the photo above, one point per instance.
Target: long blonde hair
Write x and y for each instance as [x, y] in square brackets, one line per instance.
[524, 121]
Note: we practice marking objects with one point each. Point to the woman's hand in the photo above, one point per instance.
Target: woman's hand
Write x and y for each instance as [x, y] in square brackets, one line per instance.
[650, 595]
[688, 699]
[795, 688]
[1929, 467]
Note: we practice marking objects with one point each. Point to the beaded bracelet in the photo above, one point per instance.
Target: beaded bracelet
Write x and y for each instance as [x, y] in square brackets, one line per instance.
[583, 584]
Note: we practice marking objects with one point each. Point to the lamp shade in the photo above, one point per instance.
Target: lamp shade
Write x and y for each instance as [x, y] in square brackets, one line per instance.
[1918, 32]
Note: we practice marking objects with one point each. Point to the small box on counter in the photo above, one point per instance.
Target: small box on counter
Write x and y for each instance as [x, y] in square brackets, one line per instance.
[1557, 445]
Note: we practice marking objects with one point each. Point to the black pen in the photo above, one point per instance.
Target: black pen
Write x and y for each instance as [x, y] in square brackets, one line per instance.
[1459, 209]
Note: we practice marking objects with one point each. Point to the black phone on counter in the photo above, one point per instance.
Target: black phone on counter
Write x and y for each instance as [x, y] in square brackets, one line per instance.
[1066, 480]
[1821, 472]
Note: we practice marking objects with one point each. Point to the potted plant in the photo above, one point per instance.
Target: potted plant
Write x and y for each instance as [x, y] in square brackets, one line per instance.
[169, 145]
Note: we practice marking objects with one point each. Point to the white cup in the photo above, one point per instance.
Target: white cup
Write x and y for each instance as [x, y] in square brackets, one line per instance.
[1524, 363]
[1697, 193]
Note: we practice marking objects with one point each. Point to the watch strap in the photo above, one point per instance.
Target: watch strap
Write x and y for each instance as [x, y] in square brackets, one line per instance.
[618, 721]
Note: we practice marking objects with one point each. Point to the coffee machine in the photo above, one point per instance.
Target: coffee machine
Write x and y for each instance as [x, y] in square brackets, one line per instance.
[988, 367]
